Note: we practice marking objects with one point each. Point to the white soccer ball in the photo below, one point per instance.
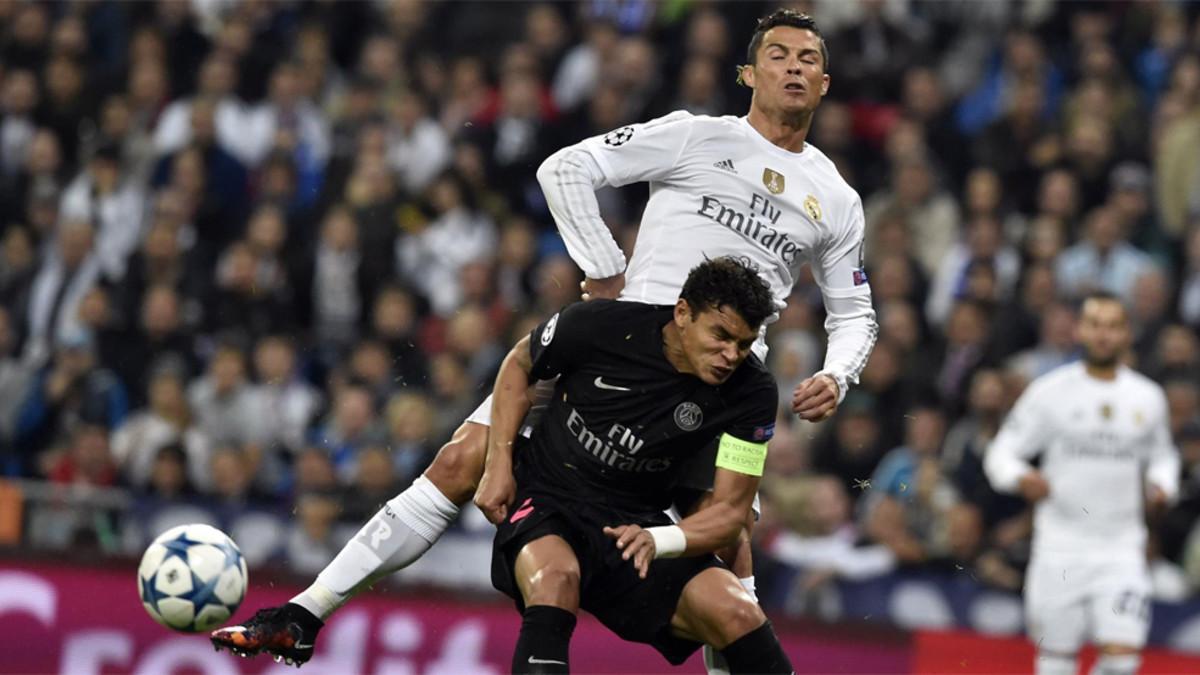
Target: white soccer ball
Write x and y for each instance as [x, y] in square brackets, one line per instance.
[192, 578]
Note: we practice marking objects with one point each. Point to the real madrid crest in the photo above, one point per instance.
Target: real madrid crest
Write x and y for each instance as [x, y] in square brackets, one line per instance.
[773, 180]
[1106, 411]
[813, 208]
[688, 416]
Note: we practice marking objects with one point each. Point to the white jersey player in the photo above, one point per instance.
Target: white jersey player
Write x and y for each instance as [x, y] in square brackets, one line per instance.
[1102, 432]
[749, 187]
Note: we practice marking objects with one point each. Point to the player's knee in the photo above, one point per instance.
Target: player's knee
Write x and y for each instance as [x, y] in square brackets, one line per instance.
[459, 463]
[554, 584]
[1055, 663]
[1117, 660]
[738, 617]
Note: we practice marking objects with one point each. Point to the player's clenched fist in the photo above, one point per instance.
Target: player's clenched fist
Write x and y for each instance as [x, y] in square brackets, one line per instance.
[497, 489]
[636, 544]
[816, 398]
[1033, 487]
[609, 287]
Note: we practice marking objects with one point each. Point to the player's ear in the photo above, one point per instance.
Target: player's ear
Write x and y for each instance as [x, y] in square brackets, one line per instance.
[683, 312]
[745, 75]
[824, 84]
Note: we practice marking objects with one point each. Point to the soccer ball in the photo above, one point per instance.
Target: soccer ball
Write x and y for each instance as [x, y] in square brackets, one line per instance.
[192, 578]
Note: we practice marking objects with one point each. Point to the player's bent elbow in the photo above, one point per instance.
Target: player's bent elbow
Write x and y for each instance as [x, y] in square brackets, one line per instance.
[546, 170]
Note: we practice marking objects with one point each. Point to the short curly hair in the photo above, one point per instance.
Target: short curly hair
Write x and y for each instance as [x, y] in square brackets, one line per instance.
[731, 282]
[785, 17]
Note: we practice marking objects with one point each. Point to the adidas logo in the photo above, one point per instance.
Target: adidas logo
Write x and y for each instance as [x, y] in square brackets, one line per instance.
[726, 165]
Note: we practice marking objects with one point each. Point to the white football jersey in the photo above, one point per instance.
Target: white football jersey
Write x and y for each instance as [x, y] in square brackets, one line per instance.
[719, 188]
[1098, 440]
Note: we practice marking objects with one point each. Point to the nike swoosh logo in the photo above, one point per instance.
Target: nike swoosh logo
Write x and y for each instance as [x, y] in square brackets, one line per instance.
[611, 387]
[301, 645]
[533, 660]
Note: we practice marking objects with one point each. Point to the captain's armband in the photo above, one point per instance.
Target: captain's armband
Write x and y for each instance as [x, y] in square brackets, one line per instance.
[741, 456]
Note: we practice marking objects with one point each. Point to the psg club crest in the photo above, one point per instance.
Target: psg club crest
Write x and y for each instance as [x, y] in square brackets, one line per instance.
[618, 137]
[688, 416]
[773, 180]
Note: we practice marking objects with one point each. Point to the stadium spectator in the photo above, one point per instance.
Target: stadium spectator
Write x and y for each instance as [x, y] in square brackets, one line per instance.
[166, 421]
[909, 507]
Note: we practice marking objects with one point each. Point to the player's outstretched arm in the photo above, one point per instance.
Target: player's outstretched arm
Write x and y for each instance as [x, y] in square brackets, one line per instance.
[497, 488]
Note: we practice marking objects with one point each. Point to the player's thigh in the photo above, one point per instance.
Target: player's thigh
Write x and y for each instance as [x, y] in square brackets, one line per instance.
[459, 463]
[1120, 610]
[547, 573]
[1056, 606]
[715, 609]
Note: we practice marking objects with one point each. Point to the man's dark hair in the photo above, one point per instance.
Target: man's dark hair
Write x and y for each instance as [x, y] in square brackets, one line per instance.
[785, 17]
[729, 282]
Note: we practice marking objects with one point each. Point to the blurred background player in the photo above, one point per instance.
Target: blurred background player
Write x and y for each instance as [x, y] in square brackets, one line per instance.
[1102, 431]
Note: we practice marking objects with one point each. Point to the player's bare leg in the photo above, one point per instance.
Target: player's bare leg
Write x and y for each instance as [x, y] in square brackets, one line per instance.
[1117, 659]
[547, 573]
[715, 609]
[740, 560]
[400, 533]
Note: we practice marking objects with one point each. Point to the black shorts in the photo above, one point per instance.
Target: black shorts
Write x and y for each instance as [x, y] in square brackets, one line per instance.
[637, 610]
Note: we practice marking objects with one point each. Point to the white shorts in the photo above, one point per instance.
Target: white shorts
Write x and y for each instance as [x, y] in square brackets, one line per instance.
[1071, 600]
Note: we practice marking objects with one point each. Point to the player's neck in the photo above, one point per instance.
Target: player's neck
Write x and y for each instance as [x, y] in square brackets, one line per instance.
[1100, 372]
[783, 131]
[673, 349]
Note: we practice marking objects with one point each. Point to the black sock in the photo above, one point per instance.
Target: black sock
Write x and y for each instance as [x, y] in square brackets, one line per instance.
[307, 620]
[544, 641]
[758, 651]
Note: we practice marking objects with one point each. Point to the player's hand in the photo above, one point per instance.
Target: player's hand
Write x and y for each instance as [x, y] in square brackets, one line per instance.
[609, 287]
[636, 544]
[497, 489]
[1033, 487]
[816, 398]
[1156, 500]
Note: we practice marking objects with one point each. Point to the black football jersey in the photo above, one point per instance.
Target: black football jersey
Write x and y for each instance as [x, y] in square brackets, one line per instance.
[622, 419]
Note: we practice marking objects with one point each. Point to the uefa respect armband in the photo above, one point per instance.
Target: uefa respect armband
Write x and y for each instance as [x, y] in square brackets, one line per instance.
[741, 456]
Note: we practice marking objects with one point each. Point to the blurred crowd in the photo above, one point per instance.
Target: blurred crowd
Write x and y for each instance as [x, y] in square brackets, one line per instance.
[259, 259]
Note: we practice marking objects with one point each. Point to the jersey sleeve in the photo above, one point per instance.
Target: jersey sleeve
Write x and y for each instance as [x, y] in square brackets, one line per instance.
[742, 447]
[558, 344]
[647, 151]
[759, 405]
[1023, 435]
[849, 315]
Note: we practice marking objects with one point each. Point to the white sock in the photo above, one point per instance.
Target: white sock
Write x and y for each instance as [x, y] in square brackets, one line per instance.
[714, 661]
[748, 584]
[1048, 663]
[1117, 664]
[391, 540]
